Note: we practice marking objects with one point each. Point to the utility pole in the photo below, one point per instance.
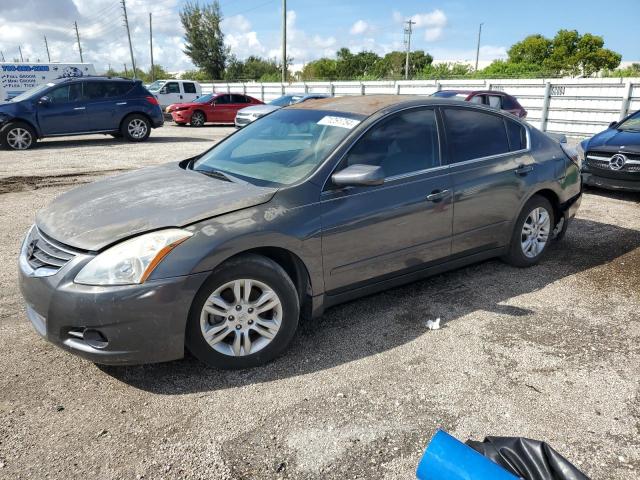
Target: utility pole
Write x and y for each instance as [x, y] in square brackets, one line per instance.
[478, 46]
[2, 55]
[126, 24]
[151, 48]
[47, 47]
[78, 38]
[20, 50]
[126, 73]
[284, 41]
[408, 30]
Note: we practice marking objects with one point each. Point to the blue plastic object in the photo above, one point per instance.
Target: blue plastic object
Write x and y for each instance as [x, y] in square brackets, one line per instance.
[446, 458]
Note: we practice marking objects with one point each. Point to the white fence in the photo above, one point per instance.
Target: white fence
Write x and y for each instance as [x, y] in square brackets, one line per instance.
[576, 107]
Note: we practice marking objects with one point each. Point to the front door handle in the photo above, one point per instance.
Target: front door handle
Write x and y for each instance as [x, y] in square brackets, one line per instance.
[80, 108]
[437, 195]
[523, 170]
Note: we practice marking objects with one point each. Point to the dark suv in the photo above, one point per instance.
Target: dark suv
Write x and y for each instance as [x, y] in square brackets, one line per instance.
[491, 98]
[79, 106]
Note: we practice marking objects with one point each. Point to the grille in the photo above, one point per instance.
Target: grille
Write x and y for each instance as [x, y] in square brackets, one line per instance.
[46, 252]
[601, 161]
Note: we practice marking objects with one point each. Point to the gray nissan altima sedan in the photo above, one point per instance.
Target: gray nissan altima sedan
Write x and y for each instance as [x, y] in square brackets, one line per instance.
[310, 206]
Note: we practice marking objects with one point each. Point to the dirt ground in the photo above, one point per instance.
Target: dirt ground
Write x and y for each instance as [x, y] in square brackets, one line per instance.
[551, 353]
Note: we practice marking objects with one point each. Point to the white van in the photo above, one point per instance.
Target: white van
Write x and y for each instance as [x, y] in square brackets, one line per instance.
[16, 78]
[175, 91]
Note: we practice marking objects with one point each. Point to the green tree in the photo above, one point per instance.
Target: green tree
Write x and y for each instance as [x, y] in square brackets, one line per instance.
[321, 69]
[392, 65]
[197, 75]
[204, 41]
[533, 50]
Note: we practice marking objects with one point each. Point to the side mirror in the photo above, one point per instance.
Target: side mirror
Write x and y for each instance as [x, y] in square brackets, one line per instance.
[44, 100]
[359, 175]
[613, 124]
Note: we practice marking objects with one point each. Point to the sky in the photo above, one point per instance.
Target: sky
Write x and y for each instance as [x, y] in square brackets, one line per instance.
[446, 29]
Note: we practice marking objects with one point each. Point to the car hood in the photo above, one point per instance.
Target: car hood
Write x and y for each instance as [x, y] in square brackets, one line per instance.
[260, 109]
[96, 215]
[615, 140]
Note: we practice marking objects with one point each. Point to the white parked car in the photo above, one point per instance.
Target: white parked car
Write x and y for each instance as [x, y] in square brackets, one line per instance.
[175, 91]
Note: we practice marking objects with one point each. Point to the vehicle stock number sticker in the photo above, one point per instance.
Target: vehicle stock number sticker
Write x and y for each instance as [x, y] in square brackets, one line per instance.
[341, 122]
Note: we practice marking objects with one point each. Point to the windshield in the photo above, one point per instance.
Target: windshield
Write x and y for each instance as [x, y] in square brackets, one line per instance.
[631, 124]
[285, 100]
[157, 85]
[280, 148]
[204, 99]
[32, 92]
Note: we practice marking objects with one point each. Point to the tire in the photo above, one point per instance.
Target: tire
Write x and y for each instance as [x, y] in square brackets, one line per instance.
[523, 250]
[17, 136]
[197, 119]
[229, 325]
[135, 128]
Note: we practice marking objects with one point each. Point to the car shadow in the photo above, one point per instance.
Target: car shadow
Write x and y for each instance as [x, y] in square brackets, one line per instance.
[109, 141]
[381, 322]
[615, 194]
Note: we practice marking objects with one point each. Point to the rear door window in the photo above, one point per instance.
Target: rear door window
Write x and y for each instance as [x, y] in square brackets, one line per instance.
[473, 134]
[223, 99]
[479, 99]
[189, 87]
[495, 101]
[238, 99]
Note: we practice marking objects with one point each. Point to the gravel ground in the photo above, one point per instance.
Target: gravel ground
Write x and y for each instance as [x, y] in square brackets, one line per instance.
[551, 353]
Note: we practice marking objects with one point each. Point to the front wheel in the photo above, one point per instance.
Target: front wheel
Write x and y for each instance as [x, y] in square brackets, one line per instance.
[244, 315]
[532, 233]
[135, 128]
[17, 136]
[197, 119]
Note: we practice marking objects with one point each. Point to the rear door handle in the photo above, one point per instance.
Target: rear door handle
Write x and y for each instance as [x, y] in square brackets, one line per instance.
[523, 170]
[121, 103]
[437, 195]
[80, 108]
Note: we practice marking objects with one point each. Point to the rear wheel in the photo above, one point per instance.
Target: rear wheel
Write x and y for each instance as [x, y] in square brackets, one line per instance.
[135, 128]
[245, 314]
[197, 119]
[532, 233]
[17, 136]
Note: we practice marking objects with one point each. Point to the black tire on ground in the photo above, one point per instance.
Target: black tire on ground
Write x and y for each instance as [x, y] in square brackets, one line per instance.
[197, 119]
[135, 128]
[260, 269]
[515, 255]
[17, 136]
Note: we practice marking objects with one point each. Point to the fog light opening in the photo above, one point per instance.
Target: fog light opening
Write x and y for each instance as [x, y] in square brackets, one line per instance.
[95, 338]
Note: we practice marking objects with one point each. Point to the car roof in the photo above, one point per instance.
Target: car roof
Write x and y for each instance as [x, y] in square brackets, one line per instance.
[92, 78]
[469, 92]
[369, 104]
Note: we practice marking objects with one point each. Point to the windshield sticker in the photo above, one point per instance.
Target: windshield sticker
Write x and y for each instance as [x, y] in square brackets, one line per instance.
[341, 122]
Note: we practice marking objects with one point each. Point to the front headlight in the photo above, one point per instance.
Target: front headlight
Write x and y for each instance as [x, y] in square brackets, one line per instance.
[255, 115]
[133, 260]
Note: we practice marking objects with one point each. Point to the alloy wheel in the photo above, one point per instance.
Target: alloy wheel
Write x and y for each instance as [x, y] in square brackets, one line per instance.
[197, 119]
[241, 317]
[535, 232]
[137, 128]
[19, 138]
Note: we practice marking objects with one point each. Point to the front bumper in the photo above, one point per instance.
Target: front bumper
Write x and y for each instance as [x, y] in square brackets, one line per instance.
[140, 323]
[588, 178]
[181, 116]
[243, 121]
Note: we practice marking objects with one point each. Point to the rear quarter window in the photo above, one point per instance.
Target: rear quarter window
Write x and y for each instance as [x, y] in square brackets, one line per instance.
[517, 135]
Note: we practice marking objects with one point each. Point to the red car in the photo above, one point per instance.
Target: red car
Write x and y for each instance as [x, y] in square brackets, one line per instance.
[492, 98]
[214, 108]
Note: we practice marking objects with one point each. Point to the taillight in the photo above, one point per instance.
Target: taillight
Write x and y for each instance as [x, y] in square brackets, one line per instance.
[152, 100]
